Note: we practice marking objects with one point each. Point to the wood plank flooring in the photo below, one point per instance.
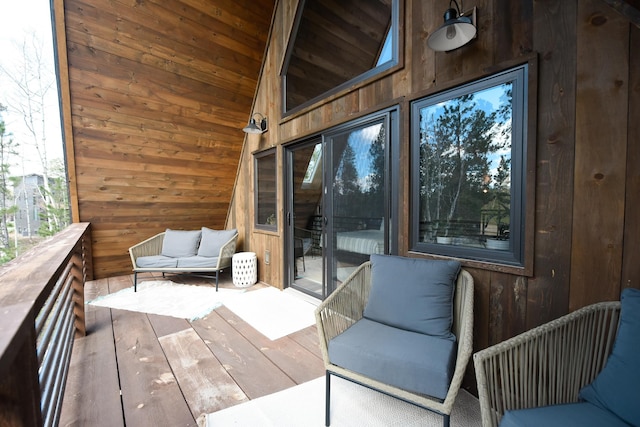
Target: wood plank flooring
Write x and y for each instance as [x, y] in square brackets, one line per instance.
[139, 369]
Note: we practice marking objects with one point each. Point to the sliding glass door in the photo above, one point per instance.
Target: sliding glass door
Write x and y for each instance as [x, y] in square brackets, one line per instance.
[340, 209]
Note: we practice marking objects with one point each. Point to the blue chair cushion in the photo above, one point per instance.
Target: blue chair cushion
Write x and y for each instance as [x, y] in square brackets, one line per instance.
[213, 240]
[617, 386]
[197, 262]
[581, 414]
[408, 360]
[156, 261]
[413, 294]
[180, 243]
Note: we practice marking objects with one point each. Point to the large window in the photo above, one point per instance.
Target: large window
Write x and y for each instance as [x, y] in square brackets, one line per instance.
[265, 190]
[333, 45]
[468, 149]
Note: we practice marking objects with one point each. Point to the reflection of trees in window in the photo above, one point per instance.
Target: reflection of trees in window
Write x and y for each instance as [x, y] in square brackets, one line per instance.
[359, 174]
[461, 140]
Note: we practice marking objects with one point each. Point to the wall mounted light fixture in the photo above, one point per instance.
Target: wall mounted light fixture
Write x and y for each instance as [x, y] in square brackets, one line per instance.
[256, 127]
[456, 31]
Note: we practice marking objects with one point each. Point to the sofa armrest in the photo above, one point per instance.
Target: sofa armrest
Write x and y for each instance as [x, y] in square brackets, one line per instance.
[226, 253]
[149, 247]
[343, 307]
[547, 365]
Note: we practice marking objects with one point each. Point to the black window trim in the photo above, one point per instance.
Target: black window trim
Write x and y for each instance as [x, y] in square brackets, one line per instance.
[516, 255]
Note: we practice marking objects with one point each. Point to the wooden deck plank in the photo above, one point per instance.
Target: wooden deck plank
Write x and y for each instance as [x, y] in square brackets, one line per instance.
[296, 361]
[167, 325]
[250, 368]
[92, 393]
[205, 384]
[150, 393]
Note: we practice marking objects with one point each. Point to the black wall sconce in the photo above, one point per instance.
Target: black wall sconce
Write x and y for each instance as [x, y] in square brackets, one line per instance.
[254, 126]
[456, 31]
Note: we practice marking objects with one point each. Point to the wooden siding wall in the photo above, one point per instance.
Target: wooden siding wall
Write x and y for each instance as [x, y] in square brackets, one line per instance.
[157, 94]
[587, 177]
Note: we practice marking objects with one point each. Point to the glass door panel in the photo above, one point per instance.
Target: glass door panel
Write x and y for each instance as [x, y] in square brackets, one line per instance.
[357, 209]
[305, 266]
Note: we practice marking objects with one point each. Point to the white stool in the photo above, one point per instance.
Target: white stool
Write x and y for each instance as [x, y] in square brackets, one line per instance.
[245, 269]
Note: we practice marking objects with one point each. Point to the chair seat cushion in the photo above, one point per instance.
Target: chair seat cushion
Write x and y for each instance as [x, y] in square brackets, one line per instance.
[408, 360]
[616, 388]
[156, 261]
[197, 262]
[581, 414]
[413, 294]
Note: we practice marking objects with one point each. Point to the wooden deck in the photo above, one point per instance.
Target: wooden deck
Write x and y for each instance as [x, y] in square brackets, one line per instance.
[140, 369]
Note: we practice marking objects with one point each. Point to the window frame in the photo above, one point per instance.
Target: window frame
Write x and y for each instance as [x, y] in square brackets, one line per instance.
[257, 158]
[519, 257]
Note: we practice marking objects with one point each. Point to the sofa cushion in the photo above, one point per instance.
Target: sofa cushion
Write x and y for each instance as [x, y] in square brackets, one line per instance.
[616, 386]
[408, 360]
[413, 294]
[213, 240]
[156, 261]
[180, 243]
[572, 414]
[197, 262]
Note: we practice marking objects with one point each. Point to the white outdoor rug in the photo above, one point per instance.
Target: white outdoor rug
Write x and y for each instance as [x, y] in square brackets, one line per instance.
[351, 406]
[168, 299]
[272, 312]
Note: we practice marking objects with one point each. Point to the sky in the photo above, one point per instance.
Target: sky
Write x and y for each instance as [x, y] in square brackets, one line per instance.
[18, 22]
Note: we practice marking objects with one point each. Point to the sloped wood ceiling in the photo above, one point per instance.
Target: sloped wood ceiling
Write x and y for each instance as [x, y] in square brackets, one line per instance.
[159, 92]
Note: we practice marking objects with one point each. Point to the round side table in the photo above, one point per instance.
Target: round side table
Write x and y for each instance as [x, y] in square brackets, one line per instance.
[245, 269]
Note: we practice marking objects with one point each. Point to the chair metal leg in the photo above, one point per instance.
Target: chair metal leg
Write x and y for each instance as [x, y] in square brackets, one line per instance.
[327, 422]
[135, 281]
[445, 421]
[217, 272]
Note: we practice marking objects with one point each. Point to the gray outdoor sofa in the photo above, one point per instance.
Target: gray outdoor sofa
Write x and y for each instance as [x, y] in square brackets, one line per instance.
[200, 252]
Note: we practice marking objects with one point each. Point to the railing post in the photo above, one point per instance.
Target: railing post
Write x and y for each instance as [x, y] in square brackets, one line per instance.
[78, 294]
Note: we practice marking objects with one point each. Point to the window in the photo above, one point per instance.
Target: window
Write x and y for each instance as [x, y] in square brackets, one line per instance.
[336, 44]
[265, 190]
[469, 170]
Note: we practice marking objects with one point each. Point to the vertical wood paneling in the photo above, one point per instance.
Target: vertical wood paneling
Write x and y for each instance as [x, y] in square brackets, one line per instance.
[554, 29]
[601, 146]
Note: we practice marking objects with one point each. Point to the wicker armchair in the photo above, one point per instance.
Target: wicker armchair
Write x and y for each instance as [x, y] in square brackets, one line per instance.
[547, 365]
[345, 307]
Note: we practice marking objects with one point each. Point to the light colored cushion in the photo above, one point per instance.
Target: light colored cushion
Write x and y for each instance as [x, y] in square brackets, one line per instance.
[213, 240]
[409, 360]
[413, 294]
[569, 415]
[197, 262]
[180, 243]
[156, 261]
[617, 386]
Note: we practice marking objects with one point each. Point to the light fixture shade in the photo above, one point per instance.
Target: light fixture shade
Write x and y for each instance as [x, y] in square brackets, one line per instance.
[454, 33]
[254, 127]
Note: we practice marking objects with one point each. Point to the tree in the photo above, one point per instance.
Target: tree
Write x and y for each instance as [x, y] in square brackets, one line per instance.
[7, 148]
[455, 145]
[32, 80]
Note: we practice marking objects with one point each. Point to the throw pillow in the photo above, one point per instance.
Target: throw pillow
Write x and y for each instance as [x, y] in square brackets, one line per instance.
[180, 243]
[213, 240]
[616, 386]
[413, 294]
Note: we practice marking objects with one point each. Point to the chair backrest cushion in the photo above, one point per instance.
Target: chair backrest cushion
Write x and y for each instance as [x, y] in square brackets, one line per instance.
[616, 386]
[180, 243]
[413, 294]
[213, 240]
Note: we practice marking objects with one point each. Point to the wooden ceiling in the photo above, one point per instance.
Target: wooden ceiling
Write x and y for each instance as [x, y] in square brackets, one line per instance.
[159, 91]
